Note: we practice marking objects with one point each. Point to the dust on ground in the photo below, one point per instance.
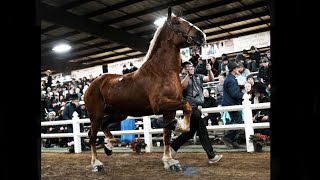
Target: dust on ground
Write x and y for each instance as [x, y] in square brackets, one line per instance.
[233, 166]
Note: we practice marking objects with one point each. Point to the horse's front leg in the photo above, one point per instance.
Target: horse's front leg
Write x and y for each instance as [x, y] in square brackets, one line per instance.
[168, 105]
[169, 162]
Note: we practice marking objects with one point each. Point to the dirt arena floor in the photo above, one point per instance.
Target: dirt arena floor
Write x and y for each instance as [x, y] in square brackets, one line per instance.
[127, 166]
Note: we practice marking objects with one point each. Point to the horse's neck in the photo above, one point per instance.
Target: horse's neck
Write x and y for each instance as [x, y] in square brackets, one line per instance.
[164, 54]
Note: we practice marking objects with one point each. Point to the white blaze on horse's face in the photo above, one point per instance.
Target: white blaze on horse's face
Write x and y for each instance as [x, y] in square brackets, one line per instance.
[190, 32]
[204, 35]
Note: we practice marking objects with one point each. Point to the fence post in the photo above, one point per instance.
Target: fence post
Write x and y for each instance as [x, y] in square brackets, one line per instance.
[248, 122]
[147, 134]
[76, 131]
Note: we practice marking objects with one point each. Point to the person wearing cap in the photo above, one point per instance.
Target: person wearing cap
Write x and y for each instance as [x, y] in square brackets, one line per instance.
[125, 70]
[192, 85]
[67, 114]
[132, 67]
[232, 95]
[223, 65]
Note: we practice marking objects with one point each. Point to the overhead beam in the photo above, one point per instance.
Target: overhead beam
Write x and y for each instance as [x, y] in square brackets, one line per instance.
[258, 23]
[231, 11]
[185, 13]
[75, 57]
[111, 8]
[50, 28]
[61, 17]
[147, 11]
[60, 37]
[235, 20]
[94, 13]
[239, 34]
[217, 24]
[65, 7]
[74, 4]
[107, 56]
[116, 60]
[205, 18]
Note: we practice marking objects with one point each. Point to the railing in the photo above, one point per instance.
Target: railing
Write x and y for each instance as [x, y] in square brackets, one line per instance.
[147, 131]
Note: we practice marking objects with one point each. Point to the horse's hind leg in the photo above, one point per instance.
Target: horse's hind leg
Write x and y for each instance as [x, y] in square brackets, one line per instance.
[95, 126]
[113, 116]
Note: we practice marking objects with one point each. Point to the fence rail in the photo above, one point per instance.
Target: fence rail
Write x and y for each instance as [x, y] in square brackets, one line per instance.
[147, 131]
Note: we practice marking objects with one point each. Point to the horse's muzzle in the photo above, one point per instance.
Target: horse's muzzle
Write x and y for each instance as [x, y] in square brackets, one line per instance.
[200, 39]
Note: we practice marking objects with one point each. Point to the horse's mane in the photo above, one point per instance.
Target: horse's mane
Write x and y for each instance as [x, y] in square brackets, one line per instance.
[152, 42]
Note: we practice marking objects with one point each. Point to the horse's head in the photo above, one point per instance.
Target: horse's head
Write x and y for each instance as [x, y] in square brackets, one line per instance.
[185, 33]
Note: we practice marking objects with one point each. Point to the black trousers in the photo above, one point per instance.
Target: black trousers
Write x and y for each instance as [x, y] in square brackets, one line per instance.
[196, 125]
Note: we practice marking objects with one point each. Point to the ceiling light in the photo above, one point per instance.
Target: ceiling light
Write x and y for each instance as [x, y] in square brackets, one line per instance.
[159, 21]
[61, 48]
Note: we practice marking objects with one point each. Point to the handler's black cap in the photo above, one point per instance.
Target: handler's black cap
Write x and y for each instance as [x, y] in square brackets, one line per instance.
[186, 63]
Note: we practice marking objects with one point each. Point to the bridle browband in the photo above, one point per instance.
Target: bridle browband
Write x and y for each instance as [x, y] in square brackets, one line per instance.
[181, 33]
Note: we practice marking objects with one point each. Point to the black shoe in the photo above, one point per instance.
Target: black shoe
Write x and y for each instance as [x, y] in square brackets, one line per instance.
[235, 145]
[227, 142]
[71, 149]
[86, 148]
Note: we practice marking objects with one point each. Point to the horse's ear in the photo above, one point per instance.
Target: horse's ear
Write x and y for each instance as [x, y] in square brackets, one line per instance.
[169, 13]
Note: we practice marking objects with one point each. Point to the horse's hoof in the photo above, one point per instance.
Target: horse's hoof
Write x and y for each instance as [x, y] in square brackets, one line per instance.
[175, 167]
[107, 151]
[97, 168]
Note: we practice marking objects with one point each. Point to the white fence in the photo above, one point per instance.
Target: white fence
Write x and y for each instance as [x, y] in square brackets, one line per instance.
[147, 131]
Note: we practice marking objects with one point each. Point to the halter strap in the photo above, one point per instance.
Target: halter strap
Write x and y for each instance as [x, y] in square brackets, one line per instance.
[181, 33]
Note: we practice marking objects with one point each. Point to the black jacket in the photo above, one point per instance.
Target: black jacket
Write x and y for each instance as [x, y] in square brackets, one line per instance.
[232, 94]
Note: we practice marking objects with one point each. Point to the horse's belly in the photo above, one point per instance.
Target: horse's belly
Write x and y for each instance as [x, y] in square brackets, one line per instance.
[131, 106]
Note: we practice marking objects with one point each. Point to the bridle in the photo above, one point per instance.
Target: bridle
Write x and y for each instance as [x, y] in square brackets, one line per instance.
[181, 33]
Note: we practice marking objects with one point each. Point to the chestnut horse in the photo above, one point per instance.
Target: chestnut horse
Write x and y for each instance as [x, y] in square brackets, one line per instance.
[154, 89]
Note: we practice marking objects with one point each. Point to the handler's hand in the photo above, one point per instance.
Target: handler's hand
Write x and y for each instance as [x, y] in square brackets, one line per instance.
[208, 67]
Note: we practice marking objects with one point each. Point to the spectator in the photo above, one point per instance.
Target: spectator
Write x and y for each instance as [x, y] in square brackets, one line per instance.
[132, 67]
[232, 95]
[264, 73]
[49, 79]
[219, 88]
[209, 101]
[51, 129]
[263, 114]
[125, 70]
